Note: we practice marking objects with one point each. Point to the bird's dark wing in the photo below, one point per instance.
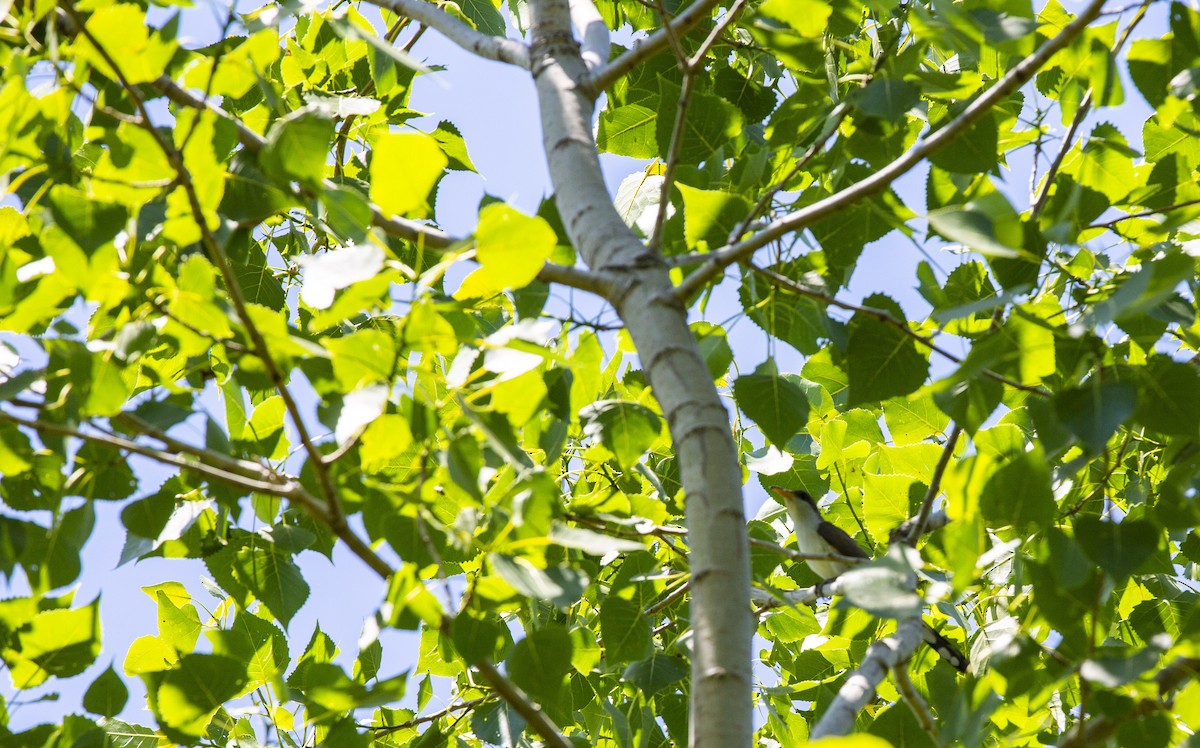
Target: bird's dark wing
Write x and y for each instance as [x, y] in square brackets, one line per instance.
[840, 541]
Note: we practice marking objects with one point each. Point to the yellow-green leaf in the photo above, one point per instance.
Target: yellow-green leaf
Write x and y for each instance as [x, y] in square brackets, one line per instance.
[404, 169]
[511, 246]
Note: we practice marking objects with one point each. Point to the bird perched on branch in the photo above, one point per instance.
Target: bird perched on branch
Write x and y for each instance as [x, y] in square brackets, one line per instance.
[816, 535]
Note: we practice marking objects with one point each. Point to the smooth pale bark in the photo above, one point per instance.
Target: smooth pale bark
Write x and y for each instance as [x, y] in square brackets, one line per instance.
[641, 293]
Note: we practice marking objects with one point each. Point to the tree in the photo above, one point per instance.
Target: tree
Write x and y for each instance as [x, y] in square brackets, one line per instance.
[556, 511]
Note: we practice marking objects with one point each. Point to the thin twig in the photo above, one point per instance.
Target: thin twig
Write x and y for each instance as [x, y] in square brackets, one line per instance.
[672, 36]
[1144, 214]
[690, 66]
[1081, 113]
[672, 597]
[222, 474]
[380, 730]
[235, 465]
[664, 201]
[880, 180]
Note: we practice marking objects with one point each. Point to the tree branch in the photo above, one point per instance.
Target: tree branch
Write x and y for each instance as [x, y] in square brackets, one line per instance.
[920, 709]
[490, 47]
[226, 474]
[592, 31]
[909, 531]
[859, 689]
[595, 83]
[516, 698]
[880, 180]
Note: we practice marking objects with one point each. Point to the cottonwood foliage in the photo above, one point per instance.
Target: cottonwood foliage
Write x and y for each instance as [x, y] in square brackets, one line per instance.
[226, 260]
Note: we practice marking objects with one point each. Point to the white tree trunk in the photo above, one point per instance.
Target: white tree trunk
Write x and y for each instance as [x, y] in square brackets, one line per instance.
[699, 424]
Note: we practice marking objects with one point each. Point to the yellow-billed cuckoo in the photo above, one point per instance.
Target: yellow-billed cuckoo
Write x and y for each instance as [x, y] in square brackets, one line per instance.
[816, 535]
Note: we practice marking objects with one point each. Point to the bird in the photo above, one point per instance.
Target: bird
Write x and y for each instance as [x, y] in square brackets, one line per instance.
[817, 535]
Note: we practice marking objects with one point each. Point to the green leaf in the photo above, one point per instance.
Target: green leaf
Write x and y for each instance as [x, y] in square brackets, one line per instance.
[882, 362]
[558, 585]
[972, 151]
[257, 643]
[809, 17]
[271, 576]
[656, 673]
[540, 661]
[59, 643]
[178, 622]
[107, 694]
[478, 636]
[188, 695]
[126, 735]
[90, 223]
[799, 321]
[887, 98]
[710, 216]
[453, 145]
[296, 147]
[1113, 672]
[1096, 410]
[595, 543]
[1120, 548]
[755, 101]
[404, 169]
[711, 123]
[484, 15]
[714, 347]
[773, 401]
[628, 131]
[1018, 494]
[626, 429]
[882, 587]
[625, 631]
[122, 26]
[329, 693]
[346, 212]
[1169, 396]
[976, 229]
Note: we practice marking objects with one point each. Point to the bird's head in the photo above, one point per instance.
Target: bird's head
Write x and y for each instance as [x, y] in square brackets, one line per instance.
[797, 502]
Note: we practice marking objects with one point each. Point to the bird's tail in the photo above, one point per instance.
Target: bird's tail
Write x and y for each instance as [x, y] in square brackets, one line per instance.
[946, 649]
